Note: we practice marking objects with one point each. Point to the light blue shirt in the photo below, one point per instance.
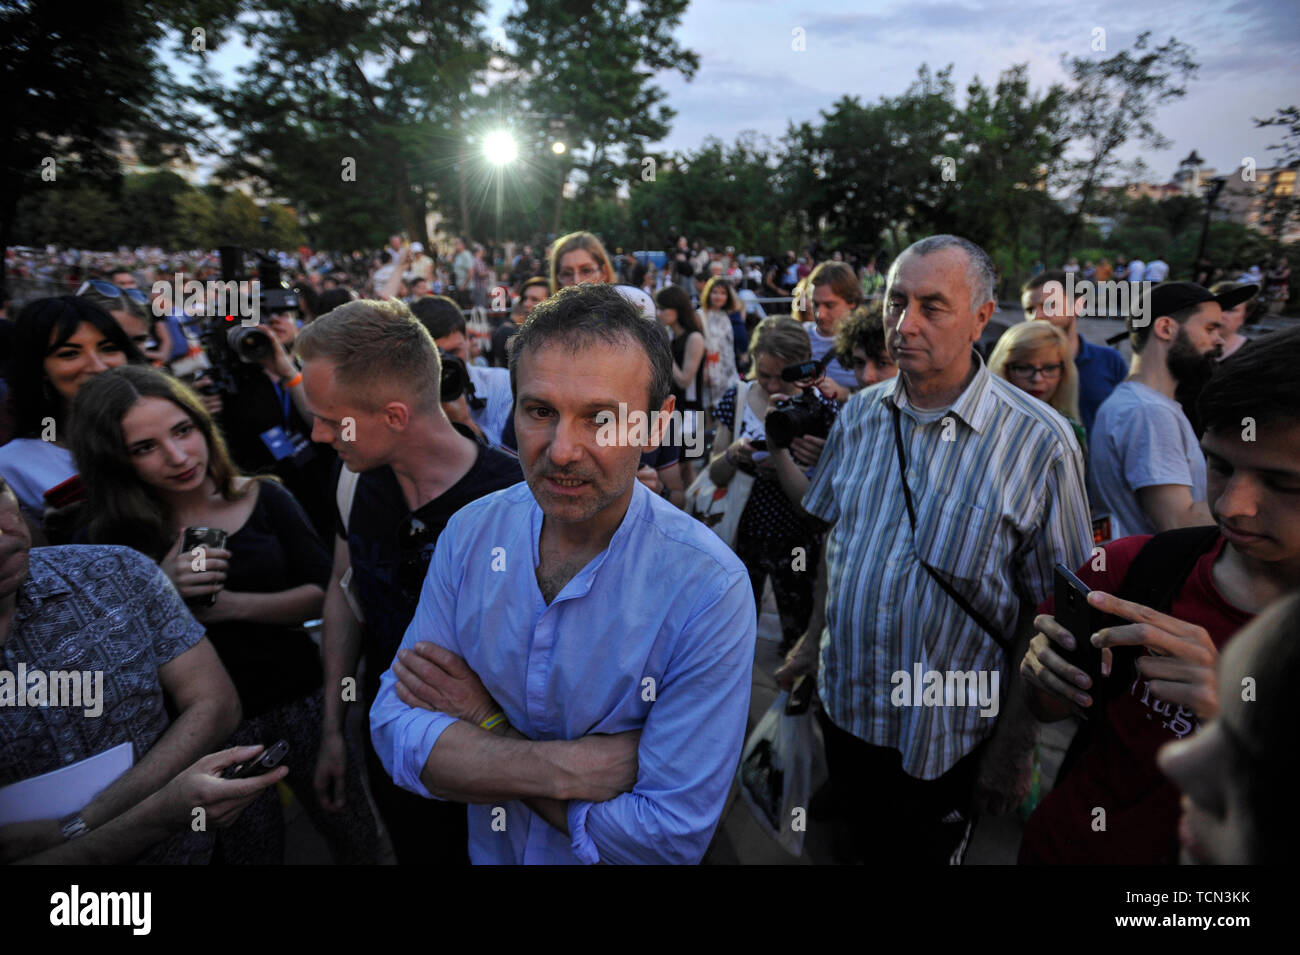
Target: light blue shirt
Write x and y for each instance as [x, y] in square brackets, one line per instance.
[1141, 438]
[492, 385]
[655, 634]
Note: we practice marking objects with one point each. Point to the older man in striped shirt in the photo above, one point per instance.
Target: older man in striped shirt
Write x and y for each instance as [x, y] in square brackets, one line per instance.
[950, 496]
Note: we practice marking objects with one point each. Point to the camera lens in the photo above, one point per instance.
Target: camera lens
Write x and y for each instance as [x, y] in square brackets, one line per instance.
[252, 345]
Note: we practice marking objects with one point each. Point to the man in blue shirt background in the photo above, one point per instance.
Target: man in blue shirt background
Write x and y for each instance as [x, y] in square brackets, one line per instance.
[1100, 367]
[579, 665]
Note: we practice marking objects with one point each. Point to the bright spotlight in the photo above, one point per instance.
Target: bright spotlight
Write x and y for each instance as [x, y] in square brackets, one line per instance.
[500, 148]
[557, 147]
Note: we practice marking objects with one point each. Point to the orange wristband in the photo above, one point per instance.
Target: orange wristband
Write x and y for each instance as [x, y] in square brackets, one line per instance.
[294, 382]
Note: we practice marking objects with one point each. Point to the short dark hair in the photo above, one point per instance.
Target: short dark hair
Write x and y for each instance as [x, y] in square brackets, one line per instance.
[865, 329]
[440, 315]
[584, 315]
[56, 318]
[1042, 278]
[1258, 382]
[332, 298]
[538, 281]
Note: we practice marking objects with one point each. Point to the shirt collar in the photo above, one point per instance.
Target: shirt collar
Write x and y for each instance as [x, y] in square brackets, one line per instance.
[971, 406]
[636, 508]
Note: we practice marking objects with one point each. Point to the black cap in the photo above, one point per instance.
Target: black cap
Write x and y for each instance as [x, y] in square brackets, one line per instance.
[1170, 297]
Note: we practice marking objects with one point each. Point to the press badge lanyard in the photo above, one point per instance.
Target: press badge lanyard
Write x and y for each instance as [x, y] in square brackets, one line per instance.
[942, 581]
[285, 403]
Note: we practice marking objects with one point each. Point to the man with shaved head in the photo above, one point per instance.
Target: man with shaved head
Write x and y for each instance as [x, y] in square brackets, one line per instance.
[950, 495]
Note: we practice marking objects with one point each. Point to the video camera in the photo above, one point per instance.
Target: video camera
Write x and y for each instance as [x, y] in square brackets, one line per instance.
[801, 415]
[456, 381]
[228, 343]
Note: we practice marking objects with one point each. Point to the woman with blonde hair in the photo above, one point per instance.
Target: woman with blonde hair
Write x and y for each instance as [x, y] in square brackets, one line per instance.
[1035, 357]
[578, 258]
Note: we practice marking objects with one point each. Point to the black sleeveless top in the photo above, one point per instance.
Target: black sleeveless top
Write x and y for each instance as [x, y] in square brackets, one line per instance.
[679, 356]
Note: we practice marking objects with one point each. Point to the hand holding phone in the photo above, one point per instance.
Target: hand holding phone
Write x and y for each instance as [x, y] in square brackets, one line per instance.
[1075, 614]
[264, 762]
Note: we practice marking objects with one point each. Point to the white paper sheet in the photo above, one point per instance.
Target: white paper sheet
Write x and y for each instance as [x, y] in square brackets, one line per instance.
[65, 790]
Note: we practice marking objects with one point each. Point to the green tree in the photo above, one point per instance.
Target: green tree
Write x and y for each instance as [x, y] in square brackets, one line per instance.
[77, 78]
[149, 208]
[1279, 207]
[350, 108]
[1112, 102]
[196, 220]
[589, 66]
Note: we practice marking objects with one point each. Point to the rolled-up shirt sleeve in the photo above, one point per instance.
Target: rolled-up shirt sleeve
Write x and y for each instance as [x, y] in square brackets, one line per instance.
[403, 735]
[690, 745]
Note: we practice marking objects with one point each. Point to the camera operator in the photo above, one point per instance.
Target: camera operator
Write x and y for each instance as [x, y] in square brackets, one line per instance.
[485, 405]
[774, 523]
[265, 418]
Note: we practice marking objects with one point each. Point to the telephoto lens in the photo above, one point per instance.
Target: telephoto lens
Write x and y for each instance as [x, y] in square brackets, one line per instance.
[252, 345]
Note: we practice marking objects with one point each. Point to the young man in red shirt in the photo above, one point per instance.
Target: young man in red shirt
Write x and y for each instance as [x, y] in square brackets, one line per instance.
[1111, 804]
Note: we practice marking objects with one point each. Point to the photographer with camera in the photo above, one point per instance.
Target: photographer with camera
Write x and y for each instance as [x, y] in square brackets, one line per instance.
[756, 437]
[264, 415]
[477, 397]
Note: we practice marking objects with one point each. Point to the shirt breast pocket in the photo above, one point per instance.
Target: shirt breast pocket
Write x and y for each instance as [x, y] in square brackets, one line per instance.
[957, 540]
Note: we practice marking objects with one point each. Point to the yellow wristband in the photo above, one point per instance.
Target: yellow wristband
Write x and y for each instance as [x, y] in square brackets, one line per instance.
[493, 721]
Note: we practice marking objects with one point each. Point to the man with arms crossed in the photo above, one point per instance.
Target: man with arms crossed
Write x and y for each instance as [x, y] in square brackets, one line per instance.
[607, 638]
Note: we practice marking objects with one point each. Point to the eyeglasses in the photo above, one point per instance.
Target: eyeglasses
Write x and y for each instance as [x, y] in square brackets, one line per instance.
[585, 274]
[1029, 372]
[109, 290]
[415, 543]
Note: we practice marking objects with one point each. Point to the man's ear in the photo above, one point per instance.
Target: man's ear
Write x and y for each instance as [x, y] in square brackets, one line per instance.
[1166, 332]
[396, 414]
[982, 318]
[661, 422]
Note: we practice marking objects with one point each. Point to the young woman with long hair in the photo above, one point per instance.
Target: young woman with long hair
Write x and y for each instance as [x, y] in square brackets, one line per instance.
[723, 315]
[688, 343]
[155, 464]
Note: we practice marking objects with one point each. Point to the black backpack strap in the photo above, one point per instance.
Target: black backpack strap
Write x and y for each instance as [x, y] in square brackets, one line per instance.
[1163, 564]
[1154, 578]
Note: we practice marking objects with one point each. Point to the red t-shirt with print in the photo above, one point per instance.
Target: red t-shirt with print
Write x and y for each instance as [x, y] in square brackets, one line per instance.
[1117, 772]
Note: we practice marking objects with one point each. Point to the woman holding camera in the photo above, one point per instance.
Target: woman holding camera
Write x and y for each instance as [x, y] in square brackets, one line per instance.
[155, 464]
[776, 537]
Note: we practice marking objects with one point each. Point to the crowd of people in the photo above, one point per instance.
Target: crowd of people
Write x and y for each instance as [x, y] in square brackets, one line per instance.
[397, 500]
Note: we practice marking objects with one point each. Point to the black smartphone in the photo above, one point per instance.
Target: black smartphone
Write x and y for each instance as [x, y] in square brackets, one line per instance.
[1074, 613]
[759, 445]
[264, 762]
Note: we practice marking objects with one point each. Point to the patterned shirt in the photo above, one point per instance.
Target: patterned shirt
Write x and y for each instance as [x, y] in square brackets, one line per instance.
[102, 609]
[997, 483]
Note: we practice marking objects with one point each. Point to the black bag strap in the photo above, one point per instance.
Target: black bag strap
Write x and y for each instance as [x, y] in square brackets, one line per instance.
[1163, 565]
[942, 581]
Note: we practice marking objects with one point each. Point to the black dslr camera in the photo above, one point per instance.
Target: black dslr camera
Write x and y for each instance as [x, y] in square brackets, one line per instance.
[228, 343]
[456, 381]
[801, 415]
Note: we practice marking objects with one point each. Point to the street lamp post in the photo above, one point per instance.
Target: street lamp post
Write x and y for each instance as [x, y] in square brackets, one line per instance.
[1212, 190]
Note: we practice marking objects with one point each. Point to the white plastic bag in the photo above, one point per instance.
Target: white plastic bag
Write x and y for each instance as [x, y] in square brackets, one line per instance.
[775, 773]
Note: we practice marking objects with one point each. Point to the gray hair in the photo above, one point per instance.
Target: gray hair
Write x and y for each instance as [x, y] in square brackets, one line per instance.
[980, 272]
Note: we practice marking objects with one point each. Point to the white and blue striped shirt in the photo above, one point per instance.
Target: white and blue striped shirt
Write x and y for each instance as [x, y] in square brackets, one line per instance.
[998, 485]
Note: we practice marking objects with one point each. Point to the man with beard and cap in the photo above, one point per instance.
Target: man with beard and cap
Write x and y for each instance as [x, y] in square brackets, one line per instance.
[1147, 470]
